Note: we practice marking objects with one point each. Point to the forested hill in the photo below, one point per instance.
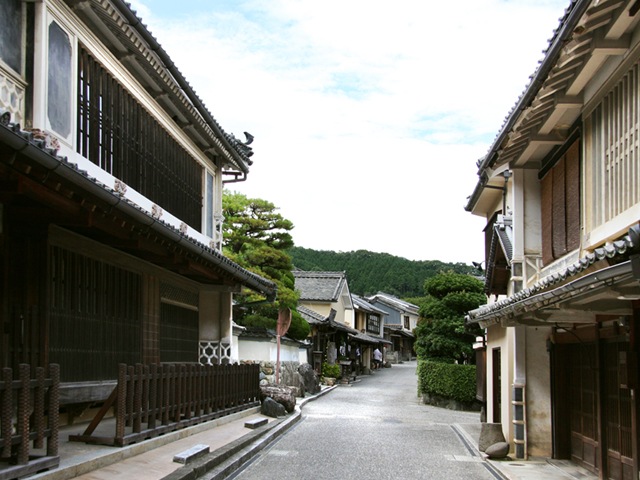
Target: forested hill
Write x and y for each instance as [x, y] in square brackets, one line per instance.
[370, 272]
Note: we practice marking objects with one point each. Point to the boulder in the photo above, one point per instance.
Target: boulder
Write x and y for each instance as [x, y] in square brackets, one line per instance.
[262, 376]
[272, 409]
[309, 378]
[490, 434]
[328, 381]
[282, 394]
[498, 450]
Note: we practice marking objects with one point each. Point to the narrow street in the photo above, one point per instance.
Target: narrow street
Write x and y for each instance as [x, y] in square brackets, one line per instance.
[375, 429]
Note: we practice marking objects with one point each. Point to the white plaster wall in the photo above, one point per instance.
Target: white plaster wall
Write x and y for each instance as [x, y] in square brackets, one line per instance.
[538, 393]
[503, 338]
[302, 355]
[235, 353]
[215, 315]
[266, 350]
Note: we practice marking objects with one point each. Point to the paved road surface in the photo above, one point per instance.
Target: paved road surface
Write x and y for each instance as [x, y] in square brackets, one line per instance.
[376, 429]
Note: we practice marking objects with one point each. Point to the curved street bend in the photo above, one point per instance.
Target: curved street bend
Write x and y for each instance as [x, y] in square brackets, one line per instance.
[376, 428]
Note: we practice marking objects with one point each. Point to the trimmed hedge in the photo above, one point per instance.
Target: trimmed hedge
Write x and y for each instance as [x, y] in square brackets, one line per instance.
[457, 382]
[331, 371]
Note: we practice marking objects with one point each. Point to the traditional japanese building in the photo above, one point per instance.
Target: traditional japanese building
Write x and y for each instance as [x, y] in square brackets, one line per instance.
[111, 177]
[560, 191]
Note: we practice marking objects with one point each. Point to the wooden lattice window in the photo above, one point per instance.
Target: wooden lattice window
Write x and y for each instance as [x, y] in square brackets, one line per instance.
[561, 206]
[116, 133]
[614, 160]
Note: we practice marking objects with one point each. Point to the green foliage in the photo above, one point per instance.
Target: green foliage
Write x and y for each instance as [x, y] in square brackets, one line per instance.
[416, 300]
[441, 331]
[457, 382]
[257, 238]
[331, 371]
[370, 272]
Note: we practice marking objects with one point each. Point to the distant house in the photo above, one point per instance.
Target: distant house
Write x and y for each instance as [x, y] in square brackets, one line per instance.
[328, 307]
[324, 291]
[401, 321]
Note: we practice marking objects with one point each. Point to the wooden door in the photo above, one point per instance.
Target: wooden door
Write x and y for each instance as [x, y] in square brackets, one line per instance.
[583, 398]
[497, 385]
[616, 414]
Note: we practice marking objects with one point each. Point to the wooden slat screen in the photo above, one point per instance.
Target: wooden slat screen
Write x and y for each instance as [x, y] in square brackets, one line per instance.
[116, 133]
[179, 334]
[560, 210]
[547, 218]
[572, 195]
[95, 316]
[559, 232]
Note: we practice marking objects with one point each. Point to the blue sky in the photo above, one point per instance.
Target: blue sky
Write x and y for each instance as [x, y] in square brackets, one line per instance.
[368, 116]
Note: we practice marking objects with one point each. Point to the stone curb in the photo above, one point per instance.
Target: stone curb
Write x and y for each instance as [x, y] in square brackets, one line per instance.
[89, 462]
[483, 456]
[221, 463]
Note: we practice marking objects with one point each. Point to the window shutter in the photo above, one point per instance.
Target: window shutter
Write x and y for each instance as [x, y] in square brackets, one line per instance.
[559, 234]
[547, 218]
[572, 179]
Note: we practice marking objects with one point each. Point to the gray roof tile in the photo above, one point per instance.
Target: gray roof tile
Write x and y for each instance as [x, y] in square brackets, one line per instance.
[321, 286]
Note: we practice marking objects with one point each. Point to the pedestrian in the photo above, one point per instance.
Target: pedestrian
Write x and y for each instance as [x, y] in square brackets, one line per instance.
[377, 358]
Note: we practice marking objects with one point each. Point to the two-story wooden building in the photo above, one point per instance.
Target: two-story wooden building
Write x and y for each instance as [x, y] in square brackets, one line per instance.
[111, 176]
[402, 319]
[560, 191]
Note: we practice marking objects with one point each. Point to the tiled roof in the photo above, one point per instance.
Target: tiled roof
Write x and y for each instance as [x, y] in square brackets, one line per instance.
[321, 286]
[313, 318]
[13, 137]
[572, 16]
[363, 337]
[398, 328]
[394, 302]
[614, 251]
[362, 304]
[123, 24]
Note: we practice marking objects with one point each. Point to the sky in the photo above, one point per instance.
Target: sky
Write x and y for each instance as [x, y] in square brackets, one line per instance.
[368, 116]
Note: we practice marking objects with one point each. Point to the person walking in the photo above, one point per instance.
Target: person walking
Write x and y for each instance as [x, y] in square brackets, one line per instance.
[377, 358]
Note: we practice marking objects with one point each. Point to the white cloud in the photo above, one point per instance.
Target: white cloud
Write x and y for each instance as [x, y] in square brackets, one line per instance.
[368, 116]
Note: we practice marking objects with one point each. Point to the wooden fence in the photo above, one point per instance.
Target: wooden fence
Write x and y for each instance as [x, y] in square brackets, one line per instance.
[34, 416]
[154, 399]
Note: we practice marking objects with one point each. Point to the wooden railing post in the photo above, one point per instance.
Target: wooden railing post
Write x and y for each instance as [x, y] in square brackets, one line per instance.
[7, 397]
[54, 410]
[38, 408]
[23, 414]
[121, 404]
[154, 389]
[137, 401]
[145, 394]
[130, 396]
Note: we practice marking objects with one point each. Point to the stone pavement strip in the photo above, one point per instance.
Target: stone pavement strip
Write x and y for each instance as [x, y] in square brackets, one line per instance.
[149, 461]
[532, 469]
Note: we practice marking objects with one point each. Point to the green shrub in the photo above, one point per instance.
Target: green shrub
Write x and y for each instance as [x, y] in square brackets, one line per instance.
[457, 382]
[331, 371]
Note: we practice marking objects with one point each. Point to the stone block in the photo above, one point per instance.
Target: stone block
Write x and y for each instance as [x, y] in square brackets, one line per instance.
[253, 424]
[192, 454]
